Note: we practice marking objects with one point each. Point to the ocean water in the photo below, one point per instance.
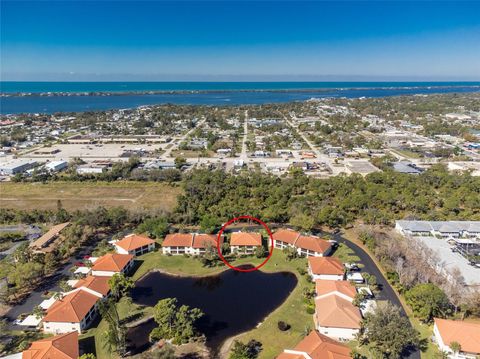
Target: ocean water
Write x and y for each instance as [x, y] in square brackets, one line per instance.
[37, 87]
[199, 93]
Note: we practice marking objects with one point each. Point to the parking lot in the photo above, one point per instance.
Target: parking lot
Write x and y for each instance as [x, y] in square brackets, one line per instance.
[450, 259]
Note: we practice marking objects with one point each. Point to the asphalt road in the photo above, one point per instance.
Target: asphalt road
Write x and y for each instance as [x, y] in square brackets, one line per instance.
[386, 292]
[369, 266]
[51, 284]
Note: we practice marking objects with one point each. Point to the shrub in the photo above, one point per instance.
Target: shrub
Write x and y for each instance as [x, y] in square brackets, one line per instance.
[283, 326]
[302, 271]
[310, 310]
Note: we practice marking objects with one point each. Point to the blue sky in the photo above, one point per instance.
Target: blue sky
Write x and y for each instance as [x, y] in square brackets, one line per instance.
[230, 40]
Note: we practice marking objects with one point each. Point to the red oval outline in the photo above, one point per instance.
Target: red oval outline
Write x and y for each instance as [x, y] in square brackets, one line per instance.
[240, 269]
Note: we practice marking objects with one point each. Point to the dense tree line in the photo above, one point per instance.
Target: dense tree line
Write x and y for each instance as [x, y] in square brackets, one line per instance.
[379, 198]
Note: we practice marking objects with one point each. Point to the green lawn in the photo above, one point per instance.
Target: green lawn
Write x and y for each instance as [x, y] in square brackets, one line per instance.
[345, 254]
[426, 332]
[125, 310]
[173, 264]
[292, 311]
[274, 341]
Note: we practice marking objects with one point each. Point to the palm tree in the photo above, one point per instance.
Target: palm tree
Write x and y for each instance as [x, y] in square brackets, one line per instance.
[456, 347]
[38, 312]
[120, 285]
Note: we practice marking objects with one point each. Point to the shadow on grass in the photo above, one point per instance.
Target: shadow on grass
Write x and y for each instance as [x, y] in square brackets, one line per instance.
[87, 345]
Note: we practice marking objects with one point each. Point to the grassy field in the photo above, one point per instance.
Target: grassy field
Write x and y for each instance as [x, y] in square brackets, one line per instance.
[84, 195]
[274, 341]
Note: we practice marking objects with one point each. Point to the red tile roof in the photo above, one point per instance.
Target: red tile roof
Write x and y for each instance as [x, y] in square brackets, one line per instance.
[286, 235]
[246, 239]
[330, 286]
[290, 356]
[318, 346]
[112, 262]
[178, 240]
[98, 284]
[202, 240]
[325, 265]
[71, 308]
[63, 346]
[134, 241]
[333, 311]
[464, 333]
[313, 243]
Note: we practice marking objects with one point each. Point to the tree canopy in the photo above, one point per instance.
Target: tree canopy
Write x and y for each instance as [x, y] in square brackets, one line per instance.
[428, 301]
[174, 321]
[387, 333]
[378, 198]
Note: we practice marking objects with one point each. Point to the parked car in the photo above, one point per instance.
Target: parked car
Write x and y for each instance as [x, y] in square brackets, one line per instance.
[333, 243]
[352, 266]
[355, 277]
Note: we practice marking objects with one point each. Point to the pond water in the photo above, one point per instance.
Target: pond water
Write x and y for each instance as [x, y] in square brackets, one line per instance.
[233, 302]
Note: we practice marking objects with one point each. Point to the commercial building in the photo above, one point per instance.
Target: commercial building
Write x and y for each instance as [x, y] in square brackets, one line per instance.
[56, 166]
[50, 240]
[406, 167]
[446, 229]
[455, 243]
[20, 166]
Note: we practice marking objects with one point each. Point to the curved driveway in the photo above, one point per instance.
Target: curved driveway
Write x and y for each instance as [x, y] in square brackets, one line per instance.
[386, 292]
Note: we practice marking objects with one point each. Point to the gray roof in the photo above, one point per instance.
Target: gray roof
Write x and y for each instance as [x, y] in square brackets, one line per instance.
[405, 167]
[415, 226]
[440, 226]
